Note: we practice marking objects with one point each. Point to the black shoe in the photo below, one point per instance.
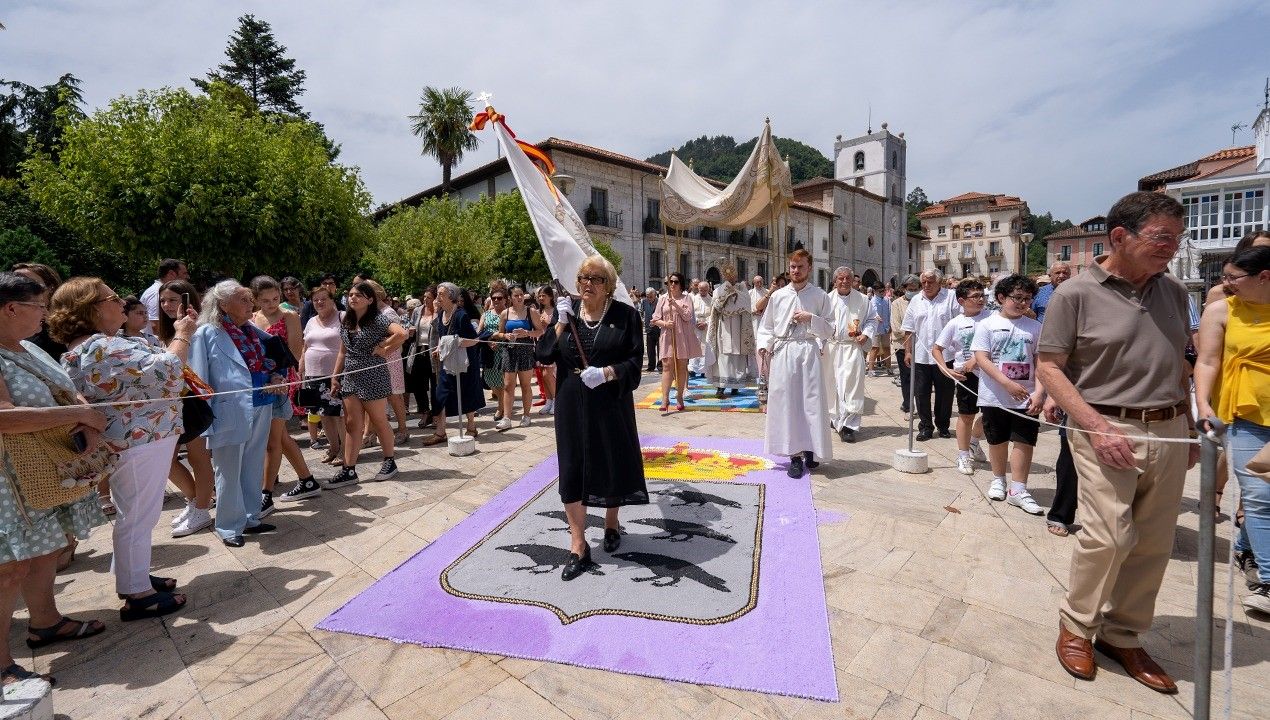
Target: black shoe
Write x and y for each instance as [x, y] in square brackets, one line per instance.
[923, 436]
[1248, 566]
[735, 391]
[346, 476]
[612, 540]
[810, 461]
[795, 466]
[945, 434]
[719, 393]
[304, 488]
[266, 503]
[576, 566]
[258, 529]
[235, 541]
[846, 434]
[387, 470]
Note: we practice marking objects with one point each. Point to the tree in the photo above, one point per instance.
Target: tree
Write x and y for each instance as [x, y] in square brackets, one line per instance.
[442, 126]
[258, 64]
[21, 245]
[36, 117]
[721, 158]
[913, 204]
[172, 174]
[1040, 226]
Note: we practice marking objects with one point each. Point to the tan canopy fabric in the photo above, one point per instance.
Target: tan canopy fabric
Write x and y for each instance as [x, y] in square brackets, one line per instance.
[761, 190]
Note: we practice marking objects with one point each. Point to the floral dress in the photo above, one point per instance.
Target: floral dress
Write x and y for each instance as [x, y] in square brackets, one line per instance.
[495, 360]
[26, 533]
[110, 368]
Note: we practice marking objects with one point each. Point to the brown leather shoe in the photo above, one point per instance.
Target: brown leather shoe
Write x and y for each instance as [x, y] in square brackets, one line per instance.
[1075, 654]
[1140, 666]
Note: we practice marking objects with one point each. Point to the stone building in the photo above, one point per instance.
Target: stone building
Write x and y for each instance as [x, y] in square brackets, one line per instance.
[619, 199]
[974, 234]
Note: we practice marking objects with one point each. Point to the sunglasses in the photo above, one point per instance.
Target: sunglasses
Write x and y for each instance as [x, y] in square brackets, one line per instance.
[497, 297]
[109, 298]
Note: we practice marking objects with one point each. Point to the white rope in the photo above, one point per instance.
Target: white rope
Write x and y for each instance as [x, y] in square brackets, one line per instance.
[283, 385]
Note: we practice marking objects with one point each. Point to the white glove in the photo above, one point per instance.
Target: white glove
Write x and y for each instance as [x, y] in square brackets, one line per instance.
[593, 377]
[564, 307]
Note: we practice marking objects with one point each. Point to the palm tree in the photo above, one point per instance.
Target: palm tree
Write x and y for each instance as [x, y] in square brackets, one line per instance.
[442, 125]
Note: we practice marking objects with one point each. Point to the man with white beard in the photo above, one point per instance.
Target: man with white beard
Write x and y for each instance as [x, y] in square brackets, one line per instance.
[855, 326]
[797, 318]
[731, 335]
[701, 313]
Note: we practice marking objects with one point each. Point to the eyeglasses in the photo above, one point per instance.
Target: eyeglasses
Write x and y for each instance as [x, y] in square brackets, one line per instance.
[109, 298]
[42, 306]
[975, 296]
[1227, 277]
[592, 279]
[1164, 238]
[497, 297]
[1021, 299]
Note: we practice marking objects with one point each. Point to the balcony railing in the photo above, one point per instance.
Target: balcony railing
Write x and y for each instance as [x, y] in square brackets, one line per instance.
[941, 254]
[995, 252]
[604, 218]
[653, 225]
[967, 253]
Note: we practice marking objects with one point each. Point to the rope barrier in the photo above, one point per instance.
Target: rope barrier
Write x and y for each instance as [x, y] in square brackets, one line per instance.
[282, 386]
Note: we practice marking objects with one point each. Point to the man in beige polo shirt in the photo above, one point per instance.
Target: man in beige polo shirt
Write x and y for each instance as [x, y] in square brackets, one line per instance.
[1111, 355]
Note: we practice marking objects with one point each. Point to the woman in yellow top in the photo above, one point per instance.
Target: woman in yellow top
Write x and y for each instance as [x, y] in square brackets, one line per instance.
[1234, 344]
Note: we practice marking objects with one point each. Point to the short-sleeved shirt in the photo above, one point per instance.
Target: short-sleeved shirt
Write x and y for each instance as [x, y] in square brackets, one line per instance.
[1042, 301]
[926, 317]
[1124, 347]
[1011, 345]
[882, 308]
[956, 336]
[150, 298]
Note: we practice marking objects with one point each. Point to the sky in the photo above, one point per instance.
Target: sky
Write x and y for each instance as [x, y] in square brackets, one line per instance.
[1065, 104]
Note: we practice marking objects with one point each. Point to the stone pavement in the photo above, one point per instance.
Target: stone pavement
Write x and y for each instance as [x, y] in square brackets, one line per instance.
[942, 604]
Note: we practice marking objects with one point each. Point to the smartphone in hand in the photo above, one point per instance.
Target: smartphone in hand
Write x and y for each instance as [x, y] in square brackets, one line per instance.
[79, 441]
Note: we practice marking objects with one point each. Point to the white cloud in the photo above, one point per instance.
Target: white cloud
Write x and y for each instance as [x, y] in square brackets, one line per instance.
[1065, 104]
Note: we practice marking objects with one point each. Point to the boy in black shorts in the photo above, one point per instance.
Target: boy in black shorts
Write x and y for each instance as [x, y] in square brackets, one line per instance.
[1004, 345]
[954, 358]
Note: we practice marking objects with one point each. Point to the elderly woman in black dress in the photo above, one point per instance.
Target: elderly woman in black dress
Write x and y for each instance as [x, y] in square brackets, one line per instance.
[598, 348]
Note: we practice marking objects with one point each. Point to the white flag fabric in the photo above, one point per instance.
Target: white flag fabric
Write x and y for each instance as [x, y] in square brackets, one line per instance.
[562, 234]
[760, 191]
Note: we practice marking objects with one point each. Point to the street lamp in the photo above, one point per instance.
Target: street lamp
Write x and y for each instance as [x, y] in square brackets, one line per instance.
[1026, 239]
[564, 182]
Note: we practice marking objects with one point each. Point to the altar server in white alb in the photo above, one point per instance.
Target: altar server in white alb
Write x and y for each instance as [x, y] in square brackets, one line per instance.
[797, 319]
[701, 302]
[855, 325]
[731, 335]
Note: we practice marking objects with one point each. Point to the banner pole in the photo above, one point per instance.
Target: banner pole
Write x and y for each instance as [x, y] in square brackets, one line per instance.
[1204, 560]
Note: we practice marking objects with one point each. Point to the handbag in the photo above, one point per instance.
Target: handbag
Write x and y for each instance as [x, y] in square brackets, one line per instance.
[196, 411]
[308, 396]
[48, 471]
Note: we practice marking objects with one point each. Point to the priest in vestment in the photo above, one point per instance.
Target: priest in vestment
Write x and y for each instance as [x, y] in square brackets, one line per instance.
[701, 314]
[798, 318]
[730, 335]
[855, 325]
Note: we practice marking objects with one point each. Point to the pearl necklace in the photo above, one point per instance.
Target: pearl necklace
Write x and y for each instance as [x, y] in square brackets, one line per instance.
[596, 324]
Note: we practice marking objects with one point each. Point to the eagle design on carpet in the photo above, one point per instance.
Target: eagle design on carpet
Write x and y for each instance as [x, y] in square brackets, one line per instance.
[544, 556]
[675, 528]
[668, 571]
[593, 522]
[696, 497]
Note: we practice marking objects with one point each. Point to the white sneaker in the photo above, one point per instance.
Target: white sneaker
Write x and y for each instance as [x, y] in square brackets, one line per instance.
[976, 452]
[503, 424]
[180, 517]
[997, 490]
[1023, 500]
[524, 421]
[196, 520]
[965, 465]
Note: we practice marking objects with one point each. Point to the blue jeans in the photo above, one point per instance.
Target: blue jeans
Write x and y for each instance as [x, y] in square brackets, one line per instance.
[1246, 439]
[239, 471]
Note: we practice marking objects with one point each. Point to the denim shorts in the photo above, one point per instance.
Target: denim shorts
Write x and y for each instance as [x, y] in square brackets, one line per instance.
[282, 409]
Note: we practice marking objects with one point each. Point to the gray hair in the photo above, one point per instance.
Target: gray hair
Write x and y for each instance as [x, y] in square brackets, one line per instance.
[452, 291]
[1060, 263]
[910, 279]
[212, 313]
[843, 269]
[939, 277]
[650, 290]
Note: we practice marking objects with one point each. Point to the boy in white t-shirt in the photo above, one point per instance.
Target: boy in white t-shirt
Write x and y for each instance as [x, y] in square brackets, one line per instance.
[1004, 345]
[954, 359]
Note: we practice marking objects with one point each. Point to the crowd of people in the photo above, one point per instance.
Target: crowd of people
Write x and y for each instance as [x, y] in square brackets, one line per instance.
[1103, 355]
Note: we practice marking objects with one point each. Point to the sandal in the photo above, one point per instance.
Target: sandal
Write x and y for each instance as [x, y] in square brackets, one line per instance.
[434, 439]
[51, 635]
[151, 606]
[332, 454]
[401, 438]
[1057, 528]
[472, 431]
[17, 673]
[160, 584]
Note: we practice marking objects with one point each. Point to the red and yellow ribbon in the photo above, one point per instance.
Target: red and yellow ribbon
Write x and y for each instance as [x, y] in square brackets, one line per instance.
[537, 155]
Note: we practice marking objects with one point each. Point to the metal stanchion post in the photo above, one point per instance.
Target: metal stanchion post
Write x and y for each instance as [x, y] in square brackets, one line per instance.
[912, 460]
[1211, 439]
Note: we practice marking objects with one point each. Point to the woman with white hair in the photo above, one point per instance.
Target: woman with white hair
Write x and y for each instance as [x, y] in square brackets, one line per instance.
[462, 393]
[228, 352]
[597, 346]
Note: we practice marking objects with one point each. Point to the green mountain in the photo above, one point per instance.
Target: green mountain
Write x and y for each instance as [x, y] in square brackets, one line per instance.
[721, 158]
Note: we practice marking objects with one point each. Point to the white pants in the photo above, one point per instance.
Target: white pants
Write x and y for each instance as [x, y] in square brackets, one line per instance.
[137, 490]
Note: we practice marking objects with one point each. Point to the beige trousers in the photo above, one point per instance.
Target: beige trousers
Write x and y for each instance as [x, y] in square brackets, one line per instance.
[1127, 522]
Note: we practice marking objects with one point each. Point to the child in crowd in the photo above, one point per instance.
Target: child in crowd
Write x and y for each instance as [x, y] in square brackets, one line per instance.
[959, 365]
[1004, 346]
